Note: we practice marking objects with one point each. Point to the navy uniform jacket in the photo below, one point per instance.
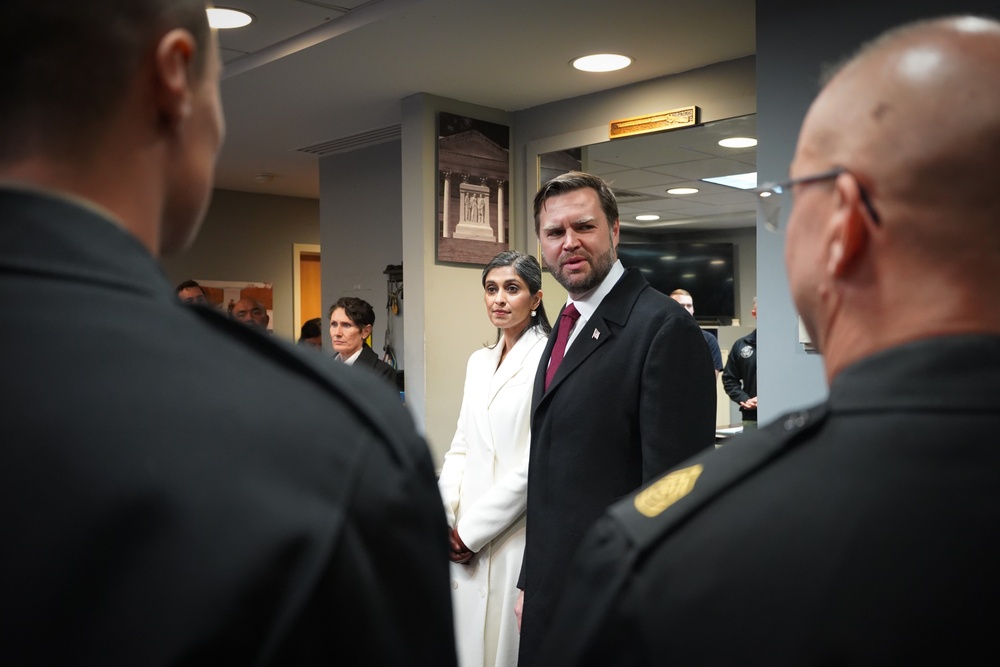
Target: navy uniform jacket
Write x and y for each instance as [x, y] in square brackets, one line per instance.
[861, 532]
[177, 488]
[633, 397]
[739, 378]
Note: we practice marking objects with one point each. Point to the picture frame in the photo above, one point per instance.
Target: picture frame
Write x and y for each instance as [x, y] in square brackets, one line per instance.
[473, 193]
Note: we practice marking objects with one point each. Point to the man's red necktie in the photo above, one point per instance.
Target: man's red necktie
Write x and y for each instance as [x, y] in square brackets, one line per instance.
[569, 317]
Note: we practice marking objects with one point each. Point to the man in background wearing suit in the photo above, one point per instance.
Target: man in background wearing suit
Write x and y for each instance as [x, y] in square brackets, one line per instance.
[861, 531]
[288, 515]
[633, 396]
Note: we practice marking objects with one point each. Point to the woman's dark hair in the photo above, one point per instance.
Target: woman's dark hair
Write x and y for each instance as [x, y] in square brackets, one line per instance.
[530, 271]
[357, 310]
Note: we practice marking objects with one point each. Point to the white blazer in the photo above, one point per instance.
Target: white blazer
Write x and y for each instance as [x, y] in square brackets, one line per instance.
[484, 484]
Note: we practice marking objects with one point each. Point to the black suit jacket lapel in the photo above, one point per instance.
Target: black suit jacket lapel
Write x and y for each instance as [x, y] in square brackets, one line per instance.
[612, 314]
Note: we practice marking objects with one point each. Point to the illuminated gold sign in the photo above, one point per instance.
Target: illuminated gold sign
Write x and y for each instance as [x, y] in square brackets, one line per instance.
[657, 122]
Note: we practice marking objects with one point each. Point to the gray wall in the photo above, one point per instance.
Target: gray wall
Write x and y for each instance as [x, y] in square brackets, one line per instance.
[794, 42]
[360, 212]
[249, 237]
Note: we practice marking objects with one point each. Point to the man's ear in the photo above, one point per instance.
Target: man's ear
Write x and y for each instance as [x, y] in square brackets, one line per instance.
[173, 63]
[848, 226]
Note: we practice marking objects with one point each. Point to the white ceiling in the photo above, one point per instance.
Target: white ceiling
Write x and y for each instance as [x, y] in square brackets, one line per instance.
[308, 72]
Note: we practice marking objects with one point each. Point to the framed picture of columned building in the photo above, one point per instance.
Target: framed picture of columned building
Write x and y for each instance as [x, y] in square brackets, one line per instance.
[473, 160]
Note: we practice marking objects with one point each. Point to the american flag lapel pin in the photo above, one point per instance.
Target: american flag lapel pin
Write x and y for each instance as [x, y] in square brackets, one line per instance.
[596, 334]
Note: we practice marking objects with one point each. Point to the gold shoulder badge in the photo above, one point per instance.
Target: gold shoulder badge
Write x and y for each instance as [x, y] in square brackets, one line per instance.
[667, 491]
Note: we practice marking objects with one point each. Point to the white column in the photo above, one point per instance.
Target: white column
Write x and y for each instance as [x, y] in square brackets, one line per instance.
[444, 204]
[500, 235]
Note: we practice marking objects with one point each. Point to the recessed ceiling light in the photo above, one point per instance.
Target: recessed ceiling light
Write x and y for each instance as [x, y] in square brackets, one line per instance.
[602, 62]
[738, 142]
[647, 217]
[747, 181]
[682, 191]
[222, 18]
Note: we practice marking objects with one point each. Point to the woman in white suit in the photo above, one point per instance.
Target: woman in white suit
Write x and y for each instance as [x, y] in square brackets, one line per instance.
[484, 479]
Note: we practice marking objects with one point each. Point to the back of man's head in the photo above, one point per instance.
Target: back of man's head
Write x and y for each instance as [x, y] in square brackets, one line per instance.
[115, 102]
[67, 65]
[911, 124]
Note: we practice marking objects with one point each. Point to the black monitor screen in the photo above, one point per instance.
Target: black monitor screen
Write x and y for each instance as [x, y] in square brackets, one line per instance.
[706, 270]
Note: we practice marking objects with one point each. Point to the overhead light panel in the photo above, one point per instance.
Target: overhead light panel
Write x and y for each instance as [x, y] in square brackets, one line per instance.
[746, 181]
[682, 191]
[738, 142]
[647, 217]
[602, 62]
[222, 18]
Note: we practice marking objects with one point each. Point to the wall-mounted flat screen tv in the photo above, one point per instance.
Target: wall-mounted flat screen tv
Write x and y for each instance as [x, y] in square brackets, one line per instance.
[706, 270]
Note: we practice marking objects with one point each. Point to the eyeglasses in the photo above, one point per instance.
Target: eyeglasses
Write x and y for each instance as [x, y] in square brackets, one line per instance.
[769, 197]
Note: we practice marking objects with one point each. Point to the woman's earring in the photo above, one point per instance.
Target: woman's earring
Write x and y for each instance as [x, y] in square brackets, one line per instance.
[533, 313]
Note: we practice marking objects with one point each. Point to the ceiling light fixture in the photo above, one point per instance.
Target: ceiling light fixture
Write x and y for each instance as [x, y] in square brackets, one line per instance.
[222, 18]
[746, 181]
[646, 217]
[738, 142]
[682, 191]
[264, 178]
[601, 62]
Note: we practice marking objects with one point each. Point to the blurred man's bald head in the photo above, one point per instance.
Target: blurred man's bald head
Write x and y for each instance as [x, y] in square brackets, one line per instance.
[901, 242]
[916, 111]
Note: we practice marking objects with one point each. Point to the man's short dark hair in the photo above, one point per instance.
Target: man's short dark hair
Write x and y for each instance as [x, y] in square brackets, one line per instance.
[358, 310]
[578, 180]
[187, 284]
[311, 328]
[66, 65]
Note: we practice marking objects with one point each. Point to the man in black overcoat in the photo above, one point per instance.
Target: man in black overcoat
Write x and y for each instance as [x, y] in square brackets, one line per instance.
[633, 396]
[862, 531]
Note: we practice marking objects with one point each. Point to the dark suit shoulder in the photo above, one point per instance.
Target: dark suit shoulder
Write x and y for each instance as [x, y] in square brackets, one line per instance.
[369, 359]
[654, 511]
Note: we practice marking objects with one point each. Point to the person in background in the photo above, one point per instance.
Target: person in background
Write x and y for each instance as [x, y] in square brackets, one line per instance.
[683, 297]
[859, 531]
[311, 334]
[191, 293]
[739, 378]
[351, 322]
[484, 478]
[235, 529]
[252, 313]
[631, 396]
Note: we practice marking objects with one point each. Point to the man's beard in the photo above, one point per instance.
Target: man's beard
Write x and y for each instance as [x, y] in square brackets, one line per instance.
[582, 283]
